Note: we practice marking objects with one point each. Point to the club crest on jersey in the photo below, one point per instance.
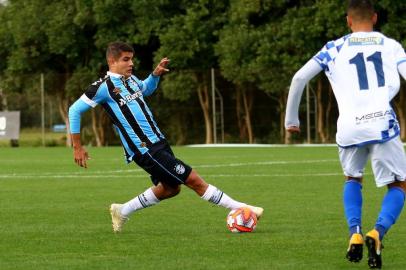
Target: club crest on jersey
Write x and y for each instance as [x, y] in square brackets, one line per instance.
[116, 91]
[130, 98]
[179, 169]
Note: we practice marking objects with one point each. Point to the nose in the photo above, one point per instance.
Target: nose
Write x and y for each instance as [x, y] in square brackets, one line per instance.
[131, 63]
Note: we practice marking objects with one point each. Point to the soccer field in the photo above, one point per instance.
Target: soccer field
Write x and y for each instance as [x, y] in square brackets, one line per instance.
[54, 215]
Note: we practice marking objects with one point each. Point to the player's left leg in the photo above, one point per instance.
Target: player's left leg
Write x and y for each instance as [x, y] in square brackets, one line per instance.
[389, 166]
[214, 195]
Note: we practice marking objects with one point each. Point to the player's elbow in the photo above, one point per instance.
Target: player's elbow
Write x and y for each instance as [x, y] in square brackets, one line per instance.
[299, 79]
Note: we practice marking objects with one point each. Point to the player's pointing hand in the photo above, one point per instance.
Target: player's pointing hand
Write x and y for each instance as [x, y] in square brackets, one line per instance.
[161, 67]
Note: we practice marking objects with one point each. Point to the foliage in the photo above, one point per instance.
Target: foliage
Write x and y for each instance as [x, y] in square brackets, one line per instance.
[256, 44]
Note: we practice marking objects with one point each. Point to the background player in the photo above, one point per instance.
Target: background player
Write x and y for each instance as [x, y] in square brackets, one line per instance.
[122, 96]
[363, 69]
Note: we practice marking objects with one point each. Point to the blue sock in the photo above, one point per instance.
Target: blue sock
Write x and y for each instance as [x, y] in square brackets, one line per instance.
[392, 205]
[352, 198]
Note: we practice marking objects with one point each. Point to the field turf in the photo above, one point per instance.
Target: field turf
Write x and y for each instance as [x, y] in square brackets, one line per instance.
[54, 215]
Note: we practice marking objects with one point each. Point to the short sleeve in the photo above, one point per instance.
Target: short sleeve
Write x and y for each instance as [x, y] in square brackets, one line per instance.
[95, 94]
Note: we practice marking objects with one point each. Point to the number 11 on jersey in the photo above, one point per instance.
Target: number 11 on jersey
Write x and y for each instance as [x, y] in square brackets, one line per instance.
[359, 62]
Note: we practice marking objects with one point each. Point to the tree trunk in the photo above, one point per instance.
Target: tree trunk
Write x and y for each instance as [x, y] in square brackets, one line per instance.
[247, 101]
[96, 129]
[320, 111]
[239, 112]
[204, 100]
[285, 136]
[328, 113]
[3, 97]
[63, 105]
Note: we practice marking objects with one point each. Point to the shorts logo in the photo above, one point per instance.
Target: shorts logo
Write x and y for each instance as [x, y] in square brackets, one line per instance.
[180, 169]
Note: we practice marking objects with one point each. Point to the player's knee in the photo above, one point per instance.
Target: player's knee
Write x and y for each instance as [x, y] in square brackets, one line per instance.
[399, 184]
[350, 178]
[195, 182]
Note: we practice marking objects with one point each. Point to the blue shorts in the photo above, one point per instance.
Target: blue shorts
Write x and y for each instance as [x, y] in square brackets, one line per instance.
[163, 166]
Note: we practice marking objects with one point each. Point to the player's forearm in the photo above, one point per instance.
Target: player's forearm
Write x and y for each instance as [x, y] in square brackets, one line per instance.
[151, 84]
[301, 78]
[76, 143]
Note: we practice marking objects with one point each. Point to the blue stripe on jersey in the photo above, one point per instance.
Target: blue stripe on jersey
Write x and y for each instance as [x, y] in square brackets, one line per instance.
[388, 138]
[129, 119]
[401, 61]
[329, 45]
[131, 147]
[143, 108]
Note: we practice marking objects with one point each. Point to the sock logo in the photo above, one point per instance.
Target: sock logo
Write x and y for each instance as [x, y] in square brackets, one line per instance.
[179, 169]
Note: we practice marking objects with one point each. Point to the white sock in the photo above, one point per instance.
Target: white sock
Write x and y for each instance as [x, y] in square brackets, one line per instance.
[142, 201]
[216, 196]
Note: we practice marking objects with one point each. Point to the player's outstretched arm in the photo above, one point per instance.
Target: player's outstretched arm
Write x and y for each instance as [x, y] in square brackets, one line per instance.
[151, 83]
[75, 111]
[301, 78]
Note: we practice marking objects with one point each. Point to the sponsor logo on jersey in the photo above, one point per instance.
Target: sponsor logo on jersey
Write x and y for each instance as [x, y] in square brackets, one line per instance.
[180, 169]
[362, 41]
[130, 98]
[372, 116]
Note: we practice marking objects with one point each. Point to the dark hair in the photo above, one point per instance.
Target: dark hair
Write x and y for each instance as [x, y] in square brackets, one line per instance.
[360, 10]
[114, 49]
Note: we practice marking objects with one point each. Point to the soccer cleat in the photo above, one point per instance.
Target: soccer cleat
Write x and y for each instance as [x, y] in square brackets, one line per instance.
[374, 246]
[354, 251]
[117, 218]
[257, 210]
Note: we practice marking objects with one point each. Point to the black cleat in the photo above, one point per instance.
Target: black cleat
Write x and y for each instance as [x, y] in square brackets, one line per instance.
[354, 251]
[374, 249]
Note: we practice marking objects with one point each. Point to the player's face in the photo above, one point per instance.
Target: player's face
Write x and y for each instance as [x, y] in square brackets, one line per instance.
[123, 65]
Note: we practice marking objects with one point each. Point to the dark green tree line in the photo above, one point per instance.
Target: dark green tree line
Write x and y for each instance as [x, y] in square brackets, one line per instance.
[256, 47]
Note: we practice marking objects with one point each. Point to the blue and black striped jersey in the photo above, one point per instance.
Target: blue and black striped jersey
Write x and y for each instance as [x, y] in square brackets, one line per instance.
[123, 100]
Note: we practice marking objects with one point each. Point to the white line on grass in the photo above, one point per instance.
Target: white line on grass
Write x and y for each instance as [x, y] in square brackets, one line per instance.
[130, 172]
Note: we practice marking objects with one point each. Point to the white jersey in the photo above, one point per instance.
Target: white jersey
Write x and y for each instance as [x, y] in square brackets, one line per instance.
[362, 70]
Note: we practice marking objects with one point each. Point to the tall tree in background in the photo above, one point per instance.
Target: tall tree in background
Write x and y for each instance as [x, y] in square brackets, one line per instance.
[188, 40]
[237, 51]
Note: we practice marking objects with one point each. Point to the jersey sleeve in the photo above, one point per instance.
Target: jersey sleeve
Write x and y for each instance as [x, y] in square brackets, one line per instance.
[149, 85]
[400, 54]
[95, 94]
[329, 52]
[323, 57]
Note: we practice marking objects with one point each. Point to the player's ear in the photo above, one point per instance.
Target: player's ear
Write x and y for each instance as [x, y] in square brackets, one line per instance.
[349, 21]
[110, 61]
[374, 18]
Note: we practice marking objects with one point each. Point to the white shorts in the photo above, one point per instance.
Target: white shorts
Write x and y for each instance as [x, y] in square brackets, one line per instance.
[388, 161]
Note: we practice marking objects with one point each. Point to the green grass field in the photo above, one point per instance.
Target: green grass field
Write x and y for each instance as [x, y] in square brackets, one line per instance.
[54, 215]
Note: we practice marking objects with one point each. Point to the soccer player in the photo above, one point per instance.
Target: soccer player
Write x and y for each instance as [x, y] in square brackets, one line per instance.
[122, 96]
[363, 69]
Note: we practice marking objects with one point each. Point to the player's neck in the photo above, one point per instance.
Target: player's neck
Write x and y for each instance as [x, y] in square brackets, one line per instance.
[362, 27]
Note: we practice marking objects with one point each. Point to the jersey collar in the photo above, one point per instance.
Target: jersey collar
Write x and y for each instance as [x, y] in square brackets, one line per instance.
[115, 75]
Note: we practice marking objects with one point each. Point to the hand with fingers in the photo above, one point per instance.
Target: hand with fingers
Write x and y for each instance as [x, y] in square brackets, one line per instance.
[161, 67]
[81, 156]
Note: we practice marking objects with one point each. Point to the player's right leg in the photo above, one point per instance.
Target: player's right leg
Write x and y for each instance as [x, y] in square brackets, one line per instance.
[389, 167]
[353, 161]
[120, 212]
[214, 195]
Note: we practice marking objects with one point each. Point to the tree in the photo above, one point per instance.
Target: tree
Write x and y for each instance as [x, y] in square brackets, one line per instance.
[188, 40]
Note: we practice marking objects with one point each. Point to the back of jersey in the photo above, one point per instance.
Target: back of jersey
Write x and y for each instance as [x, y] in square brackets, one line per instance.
[362, 70]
